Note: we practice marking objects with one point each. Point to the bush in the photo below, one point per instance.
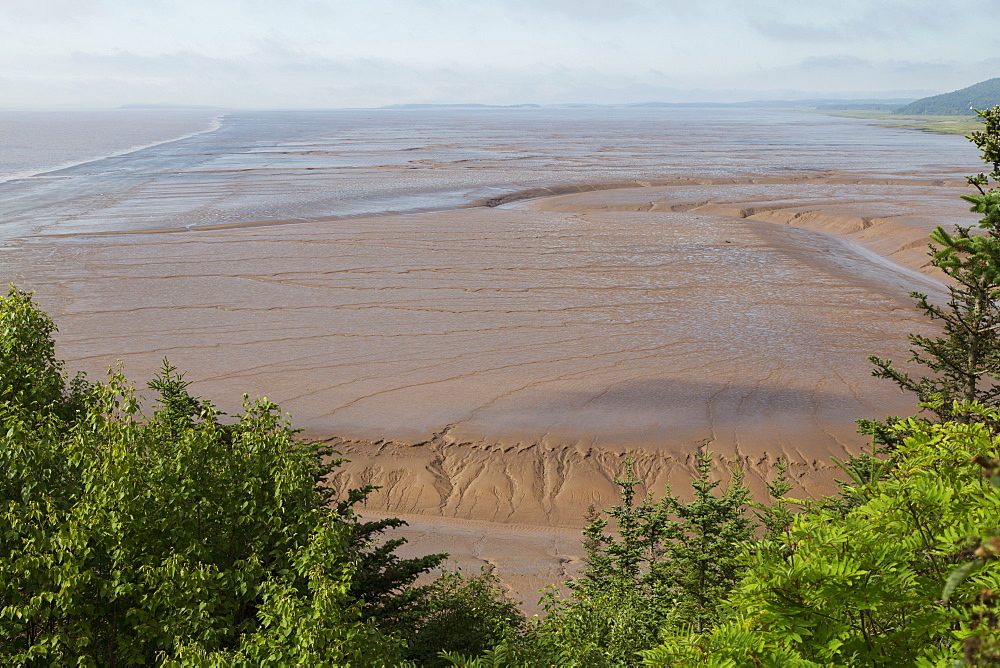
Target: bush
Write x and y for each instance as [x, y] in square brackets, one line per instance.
[461, 614]
[133, 540]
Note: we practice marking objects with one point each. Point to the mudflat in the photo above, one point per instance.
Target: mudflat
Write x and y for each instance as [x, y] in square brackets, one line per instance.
[494, 366]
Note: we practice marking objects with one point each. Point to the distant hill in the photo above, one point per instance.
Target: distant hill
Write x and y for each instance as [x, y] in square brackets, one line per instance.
[823, 104]
[826, 104]
[982, 95]
[461, 106]
[867, 106]
[166, 106]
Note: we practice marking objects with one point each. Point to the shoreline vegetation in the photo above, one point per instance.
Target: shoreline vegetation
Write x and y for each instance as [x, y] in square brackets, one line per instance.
[946, 125]
[951, 113]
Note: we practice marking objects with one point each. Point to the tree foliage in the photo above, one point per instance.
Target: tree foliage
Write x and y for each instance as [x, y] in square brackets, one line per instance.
[964, 360]
[188, 537]
[125, 539]
[30, 374]
[461, 614]
[652, 564]
[961, 102]
[864, 588]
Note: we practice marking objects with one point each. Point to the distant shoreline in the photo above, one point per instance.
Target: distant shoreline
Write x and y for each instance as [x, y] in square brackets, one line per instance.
[944, 125]
[212, 124]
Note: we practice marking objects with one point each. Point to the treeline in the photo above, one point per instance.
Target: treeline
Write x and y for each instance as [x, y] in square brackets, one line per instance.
[186, 537]
[871, 106]
[963, 102]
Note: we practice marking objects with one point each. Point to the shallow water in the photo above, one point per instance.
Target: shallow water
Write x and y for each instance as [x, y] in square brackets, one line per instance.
[306, 165]
[35, 142]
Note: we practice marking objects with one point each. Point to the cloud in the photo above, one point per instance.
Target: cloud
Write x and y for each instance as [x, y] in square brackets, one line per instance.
[797, 32]
[280, 76]
[920, 67]
[599, 10]
[352, 53]
[833, 62]
[864, 22]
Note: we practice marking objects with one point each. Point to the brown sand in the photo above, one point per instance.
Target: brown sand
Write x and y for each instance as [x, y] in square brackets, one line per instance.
[527, 558]
[491, 368]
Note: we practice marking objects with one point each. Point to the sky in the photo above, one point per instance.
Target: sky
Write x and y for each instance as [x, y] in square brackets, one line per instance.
[365, 53]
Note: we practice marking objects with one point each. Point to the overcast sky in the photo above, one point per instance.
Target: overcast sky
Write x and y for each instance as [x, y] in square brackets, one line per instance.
[351, 53]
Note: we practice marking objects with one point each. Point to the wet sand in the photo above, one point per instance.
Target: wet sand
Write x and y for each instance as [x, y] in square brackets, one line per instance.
[496, 365]
[527, 558]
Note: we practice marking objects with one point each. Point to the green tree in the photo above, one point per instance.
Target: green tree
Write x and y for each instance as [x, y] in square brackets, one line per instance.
[979, 616]
[193, 538]
[384, 583]
[461, 614]
[652, 564]
[131, 540]
[138, 538]
[703, 561]
[680, 556]
[863, 587]
[644, 532]
[30, 374]
[964, 361]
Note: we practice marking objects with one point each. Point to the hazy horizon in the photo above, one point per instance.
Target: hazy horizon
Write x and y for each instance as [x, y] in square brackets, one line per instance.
[471, 105]
[308, 54]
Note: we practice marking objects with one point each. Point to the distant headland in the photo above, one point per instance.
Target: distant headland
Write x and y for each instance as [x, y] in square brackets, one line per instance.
[461, 106]
[948, 113]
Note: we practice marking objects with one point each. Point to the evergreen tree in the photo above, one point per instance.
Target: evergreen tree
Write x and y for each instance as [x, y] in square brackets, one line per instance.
[702, 564]
[679, 556]
[863, 586]
[776, 518]
[652, 564]
[644, 533]
[964, 361]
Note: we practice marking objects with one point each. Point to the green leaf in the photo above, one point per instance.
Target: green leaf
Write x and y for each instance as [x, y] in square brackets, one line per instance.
[957, 577]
